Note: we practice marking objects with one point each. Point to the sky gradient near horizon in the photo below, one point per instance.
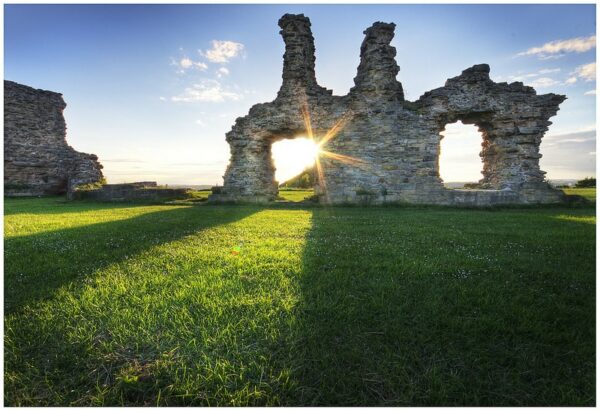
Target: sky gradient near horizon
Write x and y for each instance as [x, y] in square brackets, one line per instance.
[152, 89]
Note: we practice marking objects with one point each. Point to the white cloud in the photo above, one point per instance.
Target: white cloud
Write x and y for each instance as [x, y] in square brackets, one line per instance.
[206, 91]
[185, 63]
[222, 51]
[524, 77]
[590, 93]
[560, 47]
[223, 71]
[551, 56]
[162, 98]
[200, 65]
[586, 72]
[201, 123]
[571, 80]
[548, 71]
[544, 82]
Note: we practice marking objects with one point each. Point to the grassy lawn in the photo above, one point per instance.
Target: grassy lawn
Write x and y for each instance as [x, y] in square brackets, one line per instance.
[116, 304]
[296, 194]
[588, 193]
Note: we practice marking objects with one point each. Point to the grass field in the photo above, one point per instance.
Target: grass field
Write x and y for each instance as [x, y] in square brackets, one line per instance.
[588, 193]
[117, 304]
[294, 195]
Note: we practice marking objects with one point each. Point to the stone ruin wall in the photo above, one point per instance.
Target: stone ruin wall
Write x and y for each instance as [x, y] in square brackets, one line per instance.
[141, 190]
[37, 158]
[394, 144]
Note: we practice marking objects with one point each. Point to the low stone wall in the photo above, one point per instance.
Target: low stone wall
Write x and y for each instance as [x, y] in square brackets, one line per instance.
[147, 191]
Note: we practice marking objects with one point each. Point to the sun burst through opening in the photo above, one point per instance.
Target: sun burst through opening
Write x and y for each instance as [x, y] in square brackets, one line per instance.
[291, 157]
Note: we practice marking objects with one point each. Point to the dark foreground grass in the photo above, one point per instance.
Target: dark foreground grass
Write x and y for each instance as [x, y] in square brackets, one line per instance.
[241, 305]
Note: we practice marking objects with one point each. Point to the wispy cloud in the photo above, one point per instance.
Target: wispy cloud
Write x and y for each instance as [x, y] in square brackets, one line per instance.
[222, 51]
[207, 91]
[558, 48]
[524, 76]
[571, 80]
[535, 79]
[223, 71]
[185, 63]
[576, 136]
[590, 93]
[567, 155]
[549, 71]
[544, 82]
[586, 72]
[559, 132]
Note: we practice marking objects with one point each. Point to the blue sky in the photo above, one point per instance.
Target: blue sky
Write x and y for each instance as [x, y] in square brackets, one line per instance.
[152, 89]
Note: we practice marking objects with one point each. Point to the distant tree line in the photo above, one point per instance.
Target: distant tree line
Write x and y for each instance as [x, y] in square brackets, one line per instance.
[306, 179]
[587, 182]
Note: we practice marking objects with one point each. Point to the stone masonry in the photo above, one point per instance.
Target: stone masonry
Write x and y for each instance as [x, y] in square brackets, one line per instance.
[385, 148]
[141, 190]
[37, 158]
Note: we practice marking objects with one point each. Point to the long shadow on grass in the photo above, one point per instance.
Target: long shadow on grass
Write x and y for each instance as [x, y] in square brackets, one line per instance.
[412, 307]
[38, 264]
[207, 338]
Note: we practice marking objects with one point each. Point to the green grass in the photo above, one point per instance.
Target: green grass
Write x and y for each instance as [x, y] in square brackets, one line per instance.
[295, 195]
[587, 193]
[110, 304]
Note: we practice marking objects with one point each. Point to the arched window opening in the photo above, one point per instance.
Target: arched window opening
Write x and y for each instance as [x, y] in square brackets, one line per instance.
[294, 161]
[460, 165]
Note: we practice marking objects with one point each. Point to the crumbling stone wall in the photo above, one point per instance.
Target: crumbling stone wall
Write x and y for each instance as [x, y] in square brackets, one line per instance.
[143, 190]
[386, 149]
[37, 158]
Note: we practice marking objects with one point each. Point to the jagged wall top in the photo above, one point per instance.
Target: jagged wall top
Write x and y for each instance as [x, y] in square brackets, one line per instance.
[382, 146]
[299, 57]
[377, 71]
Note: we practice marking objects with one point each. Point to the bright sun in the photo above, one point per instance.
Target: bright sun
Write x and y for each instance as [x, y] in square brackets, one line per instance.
[293, 156]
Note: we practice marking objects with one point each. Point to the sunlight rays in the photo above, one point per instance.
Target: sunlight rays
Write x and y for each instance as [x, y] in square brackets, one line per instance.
[339, 125]
[333, 131]
[341, 157]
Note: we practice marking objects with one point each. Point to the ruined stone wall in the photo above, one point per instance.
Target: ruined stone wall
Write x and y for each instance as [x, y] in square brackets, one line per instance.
[144, 190]
[37, 158]
[380, 148]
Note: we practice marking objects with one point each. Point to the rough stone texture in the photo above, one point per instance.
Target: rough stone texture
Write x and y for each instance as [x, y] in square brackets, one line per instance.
[386, 149]
[37, 158]
[144, 190]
